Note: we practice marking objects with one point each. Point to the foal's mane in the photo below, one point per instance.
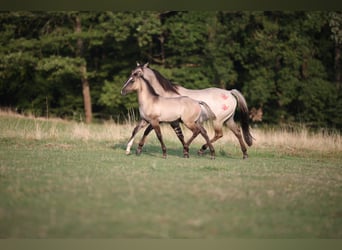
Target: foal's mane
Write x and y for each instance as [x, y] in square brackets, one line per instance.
[149, 87]
[165, 83]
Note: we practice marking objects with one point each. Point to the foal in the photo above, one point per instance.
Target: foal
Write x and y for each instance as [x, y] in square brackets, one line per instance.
[155, 109]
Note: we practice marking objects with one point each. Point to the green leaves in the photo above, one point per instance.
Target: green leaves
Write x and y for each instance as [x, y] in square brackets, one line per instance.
[111, 96]
[287, 62]
[336, 28]
[58, 67]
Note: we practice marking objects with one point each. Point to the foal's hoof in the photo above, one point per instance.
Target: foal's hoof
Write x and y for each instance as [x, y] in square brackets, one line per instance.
[186, 155]
[200, 152]
[138, 152]
[128, 152]
[245, 156]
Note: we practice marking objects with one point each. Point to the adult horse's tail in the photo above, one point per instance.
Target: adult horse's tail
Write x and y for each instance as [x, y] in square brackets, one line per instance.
[242, 104]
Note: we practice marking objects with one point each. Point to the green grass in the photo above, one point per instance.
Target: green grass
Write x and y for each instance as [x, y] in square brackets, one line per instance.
[61, 186]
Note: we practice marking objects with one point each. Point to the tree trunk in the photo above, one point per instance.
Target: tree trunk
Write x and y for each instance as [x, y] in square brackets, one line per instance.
[86, 94]
[337, 66]
[84, 78]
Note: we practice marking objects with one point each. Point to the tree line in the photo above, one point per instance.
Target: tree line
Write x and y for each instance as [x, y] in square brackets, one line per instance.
[72, 64]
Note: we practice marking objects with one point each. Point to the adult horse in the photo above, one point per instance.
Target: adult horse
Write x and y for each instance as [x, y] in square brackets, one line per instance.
[155, 109]
[223, 103]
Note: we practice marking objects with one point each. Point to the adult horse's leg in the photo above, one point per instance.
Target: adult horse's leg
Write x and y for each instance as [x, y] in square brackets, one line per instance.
[175, 126]
[218, 134]
[237, 132]
[156, 127]
[141, 124]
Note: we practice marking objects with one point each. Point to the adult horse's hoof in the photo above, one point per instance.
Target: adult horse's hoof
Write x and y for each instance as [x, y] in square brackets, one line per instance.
[245, 156]
[138, 152]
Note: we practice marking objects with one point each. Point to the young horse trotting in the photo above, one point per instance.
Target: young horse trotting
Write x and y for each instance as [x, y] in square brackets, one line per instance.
[223, 104]
[155, 109]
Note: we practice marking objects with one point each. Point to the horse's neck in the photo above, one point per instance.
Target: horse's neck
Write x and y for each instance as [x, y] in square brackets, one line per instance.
[145, 98]
[184, 91]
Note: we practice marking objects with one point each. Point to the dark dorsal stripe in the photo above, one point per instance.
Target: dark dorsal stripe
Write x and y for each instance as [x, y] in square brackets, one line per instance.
[165, 83]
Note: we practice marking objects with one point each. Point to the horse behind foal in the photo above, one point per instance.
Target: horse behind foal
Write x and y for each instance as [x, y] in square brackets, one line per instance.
[223, 103]
[155, 109]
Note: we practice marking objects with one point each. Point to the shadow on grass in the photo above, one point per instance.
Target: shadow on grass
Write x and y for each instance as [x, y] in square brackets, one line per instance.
[172, 150]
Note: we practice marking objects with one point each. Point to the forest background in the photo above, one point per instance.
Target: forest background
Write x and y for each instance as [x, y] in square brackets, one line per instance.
[71, 64]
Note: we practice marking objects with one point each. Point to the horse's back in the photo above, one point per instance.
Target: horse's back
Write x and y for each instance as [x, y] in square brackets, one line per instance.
[184, 106]
[220, 101]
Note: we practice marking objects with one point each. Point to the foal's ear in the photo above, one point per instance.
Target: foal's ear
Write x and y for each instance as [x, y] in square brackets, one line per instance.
[138, 64]
[146, 65]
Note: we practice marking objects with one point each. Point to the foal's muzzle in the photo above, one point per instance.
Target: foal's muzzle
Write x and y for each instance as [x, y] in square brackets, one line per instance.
[123, 90]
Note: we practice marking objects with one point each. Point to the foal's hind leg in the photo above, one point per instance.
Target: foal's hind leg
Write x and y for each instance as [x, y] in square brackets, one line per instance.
[218, 134]
[237, 132]
[206, 137]
[195, 131]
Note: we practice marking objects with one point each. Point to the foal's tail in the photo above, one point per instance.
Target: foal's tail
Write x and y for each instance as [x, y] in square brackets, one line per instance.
[242, 104]
[207, 113]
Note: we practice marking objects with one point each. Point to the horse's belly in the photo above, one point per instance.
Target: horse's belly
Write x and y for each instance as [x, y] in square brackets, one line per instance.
[169, 116]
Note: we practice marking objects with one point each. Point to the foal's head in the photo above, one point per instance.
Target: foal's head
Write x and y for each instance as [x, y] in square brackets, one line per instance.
[161, 85]
[132, 84]
[135, 82]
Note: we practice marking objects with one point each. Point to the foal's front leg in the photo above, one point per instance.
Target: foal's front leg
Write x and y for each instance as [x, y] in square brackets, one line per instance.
[156, 128]
[175, 126]
[143, 139]
[141, 124]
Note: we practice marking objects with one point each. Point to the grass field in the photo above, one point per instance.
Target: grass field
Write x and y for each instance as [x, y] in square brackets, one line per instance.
[62, 179]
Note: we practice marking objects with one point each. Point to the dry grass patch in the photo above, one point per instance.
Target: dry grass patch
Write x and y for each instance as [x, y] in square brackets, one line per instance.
[302, 139]
[101, 132]
[280, 139]
[29, 127]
